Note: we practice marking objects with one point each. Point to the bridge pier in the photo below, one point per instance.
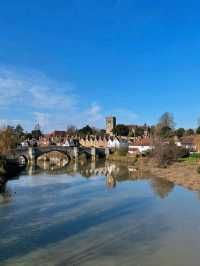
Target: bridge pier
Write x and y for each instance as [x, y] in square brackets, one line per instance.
[93, 154]
[76, 153]
[31, 156]
[107, 152]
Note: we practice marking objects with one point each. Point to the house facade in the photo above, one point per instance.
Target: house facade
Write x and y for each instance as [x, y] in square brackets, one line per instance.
[139, 145]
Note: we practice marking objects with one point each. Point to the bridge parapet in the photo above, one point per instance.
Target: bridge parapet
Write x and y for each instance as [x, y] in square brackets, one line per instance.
[32, 153]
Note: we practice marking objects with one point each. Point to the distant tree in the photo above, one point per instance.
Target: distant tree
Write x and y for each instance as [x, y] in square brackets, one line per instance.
[198, 122]
[102, 132]
[167, 121]
[198, 130]
[95, 131]
[139, 132]
[8, 140]
[131, 134]
[19, 130]
[152, 130]
[87, 130]
[71, 130]
[166, 132]
[165, 126]
[28, 135]
[180, 132]
[190, 132]
[121, 130]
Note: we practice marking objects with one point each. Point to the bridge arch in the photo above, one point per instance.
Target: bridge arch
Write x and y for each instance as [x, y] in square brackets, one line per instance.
[53, 154]
[22, 159]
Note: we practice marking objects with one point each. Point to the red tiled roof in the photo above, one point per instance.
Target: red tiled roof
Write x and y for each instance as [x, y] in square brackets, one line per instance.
[190, 140]
[141, 142]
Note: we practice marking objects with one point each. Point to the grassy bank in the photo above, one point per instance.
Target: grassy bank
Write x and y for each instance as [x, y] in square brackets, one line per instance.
[121, 158]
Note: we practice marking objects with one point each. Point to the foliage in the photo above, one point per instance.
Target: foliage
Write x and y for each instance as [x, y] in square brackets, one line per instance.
[166, 153]
[166, 132]
[8, 140]
[167, 121]
[102, 132]
[139, 131]
[198, 169]
[165, 127]
[190, 132]
[198, 130]
[71, 130]
[195, 155]
[28, 136]
[180, 132]
[182, 152]
[121, 130]
[19, 130]
[87, 130]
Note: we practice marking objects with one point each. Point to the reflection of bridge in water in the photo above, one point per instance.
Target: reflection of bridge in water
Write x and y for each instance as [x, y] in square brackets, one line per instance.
[115, 173]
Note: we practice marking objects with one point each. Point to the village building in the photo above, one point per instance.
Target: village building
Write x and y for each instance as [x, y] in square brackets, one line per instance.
[188, 142]
[117, 143]
[139, 145]
[133, 129]
[44, 141]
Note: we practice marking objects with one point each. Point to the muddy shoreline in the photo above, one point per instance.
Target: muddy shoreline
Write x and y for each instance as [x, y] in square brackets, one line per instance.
[180, 173]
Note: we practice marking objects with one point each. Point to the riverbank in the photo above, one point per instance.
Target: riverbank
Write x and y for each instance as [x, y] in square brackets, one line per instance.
[8, 169]
[181, 173]
[114, 157]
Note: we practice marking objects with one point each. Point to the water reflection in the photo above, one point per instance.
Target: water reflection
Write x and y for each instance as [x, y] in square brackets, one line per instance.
[162, 187]
[114, 174]
[68, 217]
[5, 195]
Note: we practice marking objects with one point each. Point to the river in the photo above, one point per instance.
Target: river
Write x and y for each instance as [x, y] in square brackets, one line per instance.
[97, 214]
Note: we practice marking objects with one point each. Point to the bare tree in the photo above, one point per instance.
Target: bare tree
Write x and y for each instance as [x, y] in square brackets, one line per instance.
[167, 120]
[8, 140]
[71, 130]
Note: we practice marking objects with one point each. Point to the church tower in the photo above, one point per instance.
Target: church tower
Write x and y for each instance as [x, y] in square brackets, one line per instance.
[110, 124]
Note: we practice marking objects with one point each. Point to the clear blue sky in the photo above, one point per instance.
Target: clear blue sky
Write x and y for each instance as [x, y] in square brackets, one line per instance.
[74, 61]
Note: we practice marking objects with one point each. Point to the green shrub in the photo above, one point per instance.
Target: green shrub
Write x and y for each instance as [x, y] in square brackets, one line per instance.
[182, 152]
[195, 155]
[198, 169]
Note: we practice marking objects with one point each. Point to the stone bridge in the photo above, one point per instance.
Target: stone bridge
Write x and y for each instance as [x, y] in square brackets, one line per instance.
[30, 154]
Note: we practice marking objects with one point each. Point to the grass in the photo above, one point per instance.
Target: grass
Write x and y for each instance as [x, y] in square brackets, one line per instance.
[193, 158]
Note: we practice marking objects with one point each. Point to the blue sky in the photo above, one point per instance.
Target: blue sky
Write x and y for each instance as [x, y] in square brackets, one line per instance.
[75, 62]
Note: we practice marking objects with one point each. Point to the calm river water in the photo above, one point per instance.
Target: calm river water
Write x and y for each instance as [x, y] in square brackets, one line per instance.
[97, 214]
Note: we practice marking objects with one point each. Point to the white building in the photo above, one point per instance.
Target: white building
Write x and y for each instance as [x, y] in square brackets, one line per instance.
[117, 143]
[139, 145]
